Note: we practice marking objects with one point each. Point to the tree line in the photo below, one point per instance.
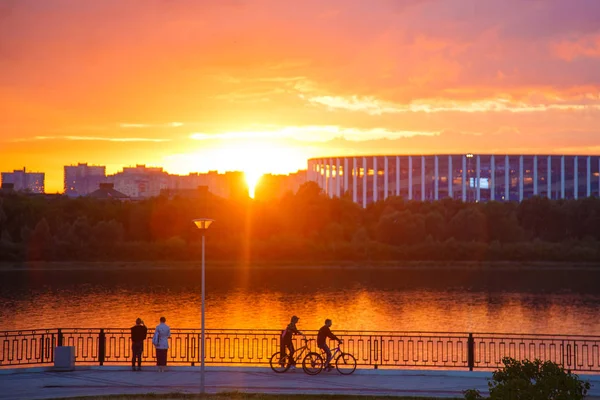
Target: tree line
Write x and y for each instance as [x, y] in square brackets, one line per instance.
[306, 227]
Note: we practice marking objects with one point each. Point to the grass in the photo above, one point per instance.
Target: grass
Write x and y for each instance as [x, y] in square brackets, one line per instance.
[245, 396]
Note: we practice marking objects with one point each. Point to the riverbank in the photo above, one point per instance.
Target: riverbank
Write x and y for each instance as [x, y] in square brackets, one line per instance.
[404, 265]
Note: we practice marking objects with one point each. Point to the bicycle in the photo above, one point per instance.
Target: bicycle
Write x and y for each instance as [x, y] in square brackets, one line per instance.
[312, 363]
[345, 363]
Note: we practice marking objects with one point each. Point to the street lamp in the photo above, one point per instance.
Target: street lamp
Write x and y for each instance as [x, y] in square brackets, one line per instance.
[202, 224]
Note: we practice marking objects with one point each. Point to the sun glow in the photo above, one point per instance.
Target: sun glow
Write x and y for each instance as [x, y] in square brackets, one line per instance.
[254, 159]
[252, 179]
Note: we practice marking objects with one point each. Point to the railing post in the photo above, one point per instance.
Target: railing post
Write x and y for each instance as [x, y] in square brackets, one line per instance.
[564, 354]
[375, 352]
[380, 352]
[42, 349]
[101, 347]
[471, 352]
[188, 347]
[370, 350]
[574, 356]
[60, 338]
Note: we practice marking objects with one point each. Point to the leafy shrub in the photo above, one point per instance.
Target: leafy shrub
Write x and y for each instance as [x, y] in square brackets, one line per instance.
[533, 380]
[472, 394]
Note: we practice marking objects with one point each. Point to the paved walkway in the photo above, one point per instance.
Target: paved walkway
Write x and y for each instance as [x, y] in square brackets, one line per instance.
[41, 383]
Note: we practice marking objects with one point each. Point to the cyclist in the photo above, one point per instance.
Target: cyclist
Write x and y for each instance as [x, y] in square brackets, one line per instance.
[323, 334]
[286, 340]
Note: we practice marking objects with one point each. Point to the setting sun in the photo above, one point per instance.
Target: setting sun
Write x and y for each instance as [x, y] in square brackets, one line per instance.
[252, 179]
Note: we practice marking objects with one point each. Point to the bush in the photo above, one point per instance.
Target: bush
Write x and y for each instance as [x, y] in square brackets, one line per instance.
[533, 380]
[472, 394]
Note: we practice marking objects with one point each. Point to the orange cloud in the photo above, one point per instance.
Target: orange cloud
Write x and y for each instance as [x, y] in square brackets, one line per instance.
[582, 47]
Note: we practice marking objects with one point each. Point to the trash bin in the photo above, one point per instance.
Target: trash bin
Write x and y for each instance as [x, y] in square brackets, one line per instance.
[64, 358]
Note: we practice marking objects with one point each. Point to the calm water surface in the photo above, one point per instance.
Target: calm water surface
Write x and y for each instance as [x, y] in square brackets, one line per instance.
[556, 302]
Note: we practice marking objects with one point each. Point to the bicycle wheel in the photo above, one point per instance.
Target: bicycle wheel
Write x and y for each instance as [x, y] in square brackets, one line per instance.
[345, 364]
[280, 364]
[313, 363]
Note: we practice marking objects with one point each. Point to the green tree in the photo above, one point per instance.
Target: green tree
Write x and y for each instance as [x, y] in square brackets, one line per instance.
[469, 225]
[399, 228]
[108, 232]
[41, 241]
[435, 225]
[3, 217]
[502, 222]
[80, 232]
[5, 237]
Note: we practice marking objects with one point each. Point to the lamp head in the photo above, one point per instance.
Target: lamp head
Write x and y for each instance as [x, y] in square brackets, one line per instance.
[203, 223]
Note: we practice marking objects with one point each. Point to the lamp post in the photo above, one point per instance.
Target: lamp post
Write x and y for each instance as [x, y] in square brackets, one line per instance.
[202, 224]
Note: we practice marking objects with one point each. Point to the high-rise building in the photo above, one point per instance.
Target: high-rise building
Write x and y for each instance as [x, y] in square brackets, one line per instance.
[227, 185]
[272, 187]
[83, 179]
[23, 181]
[140, 181]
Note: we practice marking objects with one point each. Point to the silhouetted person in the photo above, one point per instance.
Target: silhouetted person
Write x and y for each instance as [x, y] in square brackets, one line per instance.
[286, 340]
[161, 342]
[138, 335]
[322, 336]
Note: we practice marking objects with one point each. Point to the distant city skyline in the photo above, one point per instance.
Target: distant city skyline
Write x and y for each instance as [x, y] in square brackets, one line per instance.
[263, 86]
[141, 181]
[57, 183]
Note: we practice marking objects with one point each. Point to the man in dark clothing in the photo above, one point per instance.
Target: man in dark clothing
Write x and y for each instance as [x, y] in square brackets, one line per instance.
[286, 340]
[322, 336]
[138, 335]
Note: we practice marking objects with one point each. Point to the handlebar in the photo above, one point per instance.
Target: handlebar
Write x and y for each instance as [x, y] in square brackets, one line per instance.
[304, 339]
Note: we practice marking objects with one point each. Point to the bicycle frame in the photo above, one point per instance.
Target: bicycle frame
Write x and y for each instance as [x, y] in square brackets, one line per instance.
[336, 353]
[348, 362]
[302, 351]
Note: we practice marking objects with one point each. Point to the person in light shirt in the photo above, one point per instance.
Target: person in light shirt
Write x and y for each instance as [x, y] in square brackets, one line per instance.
[160, 340]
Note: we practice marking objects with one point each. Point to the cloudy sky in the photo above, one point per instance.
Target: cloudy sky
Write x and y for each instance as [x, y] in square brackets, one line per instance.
[194, 85]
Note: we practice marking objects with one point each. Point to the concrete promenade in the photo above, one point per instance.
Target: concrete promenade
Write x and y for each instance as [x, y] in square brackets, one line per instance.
[43, 383]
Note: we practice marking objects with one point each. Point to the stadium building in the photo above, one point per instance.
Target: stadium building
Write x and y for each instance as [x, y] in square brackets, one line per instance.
[466, 177]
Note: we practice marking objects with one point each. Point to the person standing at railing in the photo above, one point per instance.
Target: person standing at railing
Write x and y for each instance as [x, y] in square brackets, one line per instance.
[286, 340]
[324, 333]
[138, 335]
[160, 340]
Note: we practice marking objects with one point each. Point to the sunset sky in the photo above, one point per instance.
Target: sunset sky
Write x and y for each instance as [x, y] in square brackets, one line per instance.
[194, 85]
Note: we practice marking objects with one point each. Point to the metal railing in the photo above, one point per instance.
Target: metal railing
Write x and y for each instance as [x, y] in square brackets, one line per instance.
[423, 350]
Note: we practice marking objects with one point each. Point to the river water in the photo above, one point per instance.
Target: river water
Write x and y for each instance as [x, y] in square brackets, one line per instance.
[550, 302]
